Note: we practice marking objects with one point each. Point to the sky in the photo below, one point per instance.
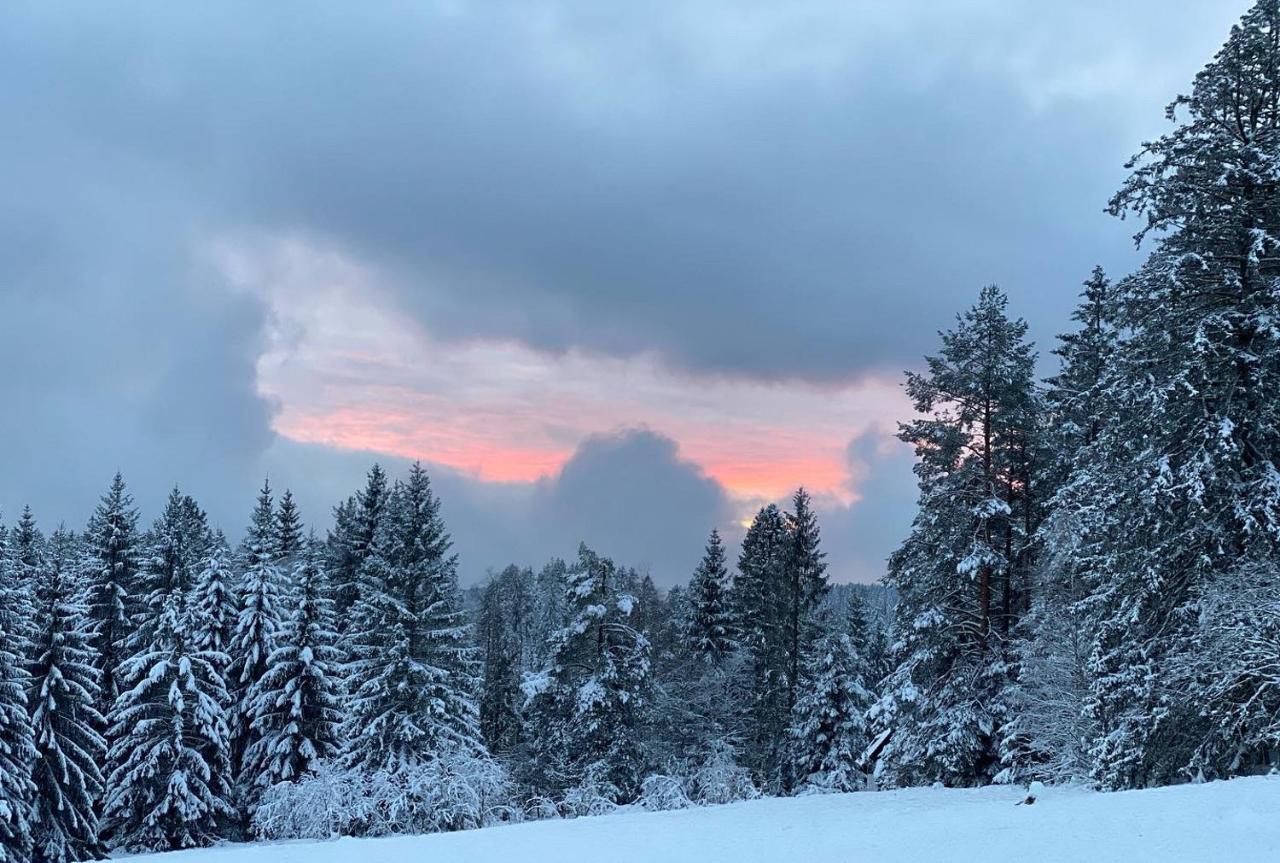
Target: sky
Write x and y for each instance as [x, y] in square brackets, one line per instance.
[613, 272]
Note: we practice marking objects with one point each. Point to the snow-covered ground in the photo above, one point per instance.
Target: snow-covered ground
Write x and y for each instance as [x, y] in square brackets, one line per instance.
[1234, 821]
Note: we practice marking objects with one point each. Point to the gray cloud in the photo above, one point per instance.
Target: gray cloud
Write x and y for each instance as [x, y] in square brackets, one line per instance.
[773, 190]
[629, 495]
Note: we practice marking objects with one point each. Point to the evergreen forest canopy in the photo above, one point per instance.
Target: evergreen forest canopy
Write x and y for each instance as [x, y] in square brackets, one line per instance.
[1090, 591]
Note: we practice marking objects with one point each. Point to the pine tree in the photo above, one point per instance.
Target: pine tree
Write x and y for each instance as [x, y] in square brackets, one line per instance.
[112, 549]
[65, 721]
[1178, 491]
[412, 674]
[170, 781]
[806, 585]
[978, 412]
[293, 708]
[214, 602]
[761, 609]
[1049, 729]
[257, 622]
[829, 728]
[588, 707]
[287, 536]
[198, 537]
[711, 617]
[17, 749]
[165, 571]
[357, 527]
[504, 626]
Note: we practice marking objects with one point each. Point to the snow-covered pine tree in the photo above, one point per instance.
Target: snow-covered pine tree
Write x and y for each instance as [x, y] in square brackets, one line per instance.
[806, 586]
[1179, 490]
[293, 708]
[588, 705]
[258, 621]
[942, 706]
[505, 621]
[28, 551]
[550, 612]
[198, 537]
[287, 538]
[112, 547]
[761, 608]
[214, 603]
[67, 727]
[412, 675]
[170, 770]
[1047, 736]
[165, 570]
[1076, 399]
[17, 749]
[829, 728]
[357, 526]
[710, 622]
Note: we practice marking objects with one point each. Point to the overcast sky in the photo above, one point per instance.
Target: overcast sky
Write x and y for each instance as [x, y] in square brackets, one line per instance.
[615, 271]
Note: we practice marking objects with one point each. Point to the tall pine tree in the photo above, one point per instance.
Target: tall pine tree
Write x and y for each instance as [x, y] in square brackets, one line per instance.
[257, 622]
[17, 749]
[67, 727]
[943, 705]
[170, 781]
[112, 550]
[1179, 489]
[294, 708]
[589, 705]
[412, 670]
[710, 614]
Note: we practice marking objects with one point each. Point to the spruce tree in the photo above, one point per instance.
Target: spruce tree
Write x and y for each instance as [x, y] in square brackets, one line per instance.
[1049, 729]
[112, 550]
[287, 533]
[806, 585]
[589, 705]
[1178, 490]
[214, 601]
[17, 749]
[170, 781]
[829, 727]
[503, 630]
[65, 721]
[294, 708]
[357, 527]
[258, 622]
[710, 621]
[27, 545]
[412, 669]
[761, 609]
[965, 552]
[165, 571]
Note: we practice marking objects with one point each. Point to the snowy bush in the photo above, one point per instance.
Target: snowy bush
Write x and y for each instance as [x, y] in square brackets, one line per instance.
[594, 795]
[660, 792]
[720, 779]
[318, 807]
[457, 792]
[540, 808]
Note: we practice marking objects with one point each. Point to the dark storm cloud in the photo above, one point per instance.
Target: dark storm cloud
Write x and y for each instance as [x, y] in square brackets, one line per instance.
[580, 174]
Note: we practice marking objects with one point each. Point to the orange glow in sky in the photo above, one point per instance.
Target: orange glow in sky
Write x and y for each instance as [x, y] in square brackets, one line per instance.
[348, 371]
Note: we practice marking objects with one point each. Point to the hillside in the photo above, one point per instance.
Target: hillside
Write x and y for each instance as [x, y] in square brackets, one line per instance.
[1233, 821]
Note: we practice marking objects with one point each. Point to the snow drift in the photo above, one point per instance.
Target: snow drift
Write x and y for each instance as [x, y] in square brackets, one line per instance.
[1228, 821]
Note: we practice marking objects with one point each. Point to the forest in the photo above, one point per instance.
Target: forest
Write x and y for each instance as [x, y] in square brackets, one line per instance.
[1089, 592]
